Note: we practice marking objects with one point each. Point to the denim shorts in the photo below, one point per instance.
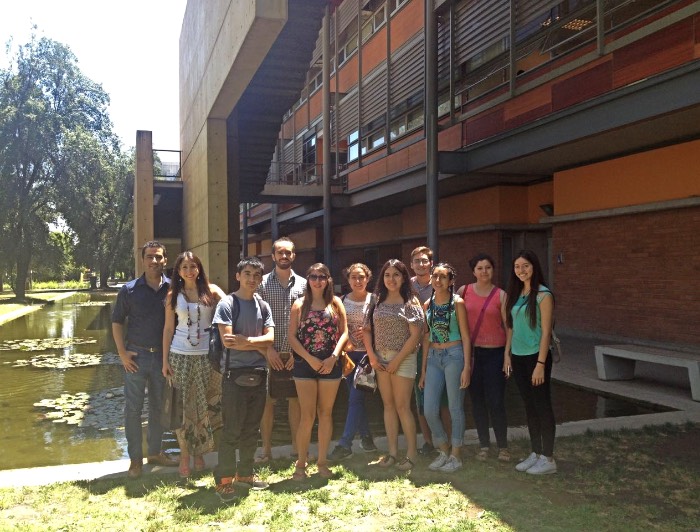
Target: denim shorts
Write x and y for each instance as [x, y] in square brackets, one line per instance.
[408, 367]
[304, 372]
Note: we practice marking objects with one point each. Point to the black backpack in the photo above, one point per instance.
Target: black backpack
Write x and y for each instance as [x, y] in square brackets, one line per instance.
[216, 345]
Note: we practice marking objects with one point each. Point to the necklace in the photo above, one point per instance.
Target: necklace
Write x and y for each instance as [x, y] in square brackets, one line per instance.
[189, 325]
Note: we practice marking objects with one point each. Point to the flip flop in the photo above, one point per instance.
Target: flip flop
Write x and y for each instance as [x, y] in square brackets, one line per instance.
[387, 461]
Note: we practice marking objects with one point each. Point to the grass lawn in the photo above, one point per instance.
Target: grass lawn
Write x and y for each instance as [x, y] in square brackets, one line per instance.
[629, 480]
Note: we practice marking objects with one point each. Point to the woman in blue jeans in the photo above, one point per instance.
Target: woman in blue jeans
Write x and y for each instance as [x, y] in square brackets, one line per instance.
[356, 304]
[446, 365]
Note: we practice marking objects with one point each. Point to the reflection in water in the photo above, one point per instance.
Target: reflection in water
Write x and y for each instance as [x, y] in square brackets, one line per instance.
[29, 441]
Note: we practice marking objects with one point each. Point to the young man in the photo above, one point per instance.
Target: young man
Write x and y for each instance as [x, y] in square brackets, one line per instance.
[141, 303]
[422, 265]
[247, 330]
[280, 288]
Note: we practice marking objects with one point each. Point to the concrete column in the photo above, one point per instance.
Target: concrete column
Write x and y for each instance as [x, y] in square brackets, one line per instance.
[234, 201]
[143, 195]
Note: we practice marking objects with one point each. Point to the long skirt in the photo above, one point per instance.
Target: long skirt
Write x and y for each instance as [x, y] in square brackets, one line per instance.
[201, 414]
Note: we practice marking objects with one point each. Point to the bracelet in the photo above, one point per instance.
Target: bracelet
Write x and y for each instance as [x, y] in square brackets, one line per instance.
[540, 362]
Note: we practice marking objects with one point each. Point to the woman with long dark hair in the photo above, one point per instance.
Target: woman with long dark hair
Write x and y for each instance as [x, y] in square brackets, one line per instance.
[393, 329]
[317, 334]
[486, 314]
[189, 309]
[356, 304]
[446, 365]
[529, 315]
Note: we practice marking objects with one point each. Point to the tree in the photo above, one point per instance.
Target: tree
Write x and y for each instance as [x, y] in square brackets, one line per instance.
[43, 97]
[96, 200]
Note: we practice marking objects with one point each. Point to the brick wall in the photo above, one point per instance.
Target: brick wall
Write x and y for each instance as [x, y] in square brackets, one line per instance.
[635, 276]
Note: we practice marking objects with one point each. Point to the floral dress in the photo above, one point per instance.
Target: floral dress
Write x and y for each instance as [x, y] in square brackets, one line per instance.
[319, 334]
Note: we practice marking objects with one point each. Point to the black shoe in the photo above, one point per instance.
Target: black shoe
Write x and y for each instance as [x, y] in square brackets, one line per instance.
[340, 453]
[367, 444]
[426, 450]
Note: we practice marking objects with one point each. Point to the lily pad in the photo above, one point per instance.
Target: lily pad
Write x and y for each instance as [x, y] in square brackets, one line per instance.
[43, 344]
[67, 361]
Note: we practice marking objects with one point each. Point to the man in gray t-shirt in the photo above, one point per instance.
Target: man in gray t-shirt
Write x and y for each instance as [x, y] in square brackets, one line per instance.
[247, 330]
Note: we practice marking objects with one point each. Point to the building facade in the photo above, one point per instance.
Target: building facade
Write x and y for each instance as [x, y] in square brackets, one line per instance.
[568, 127]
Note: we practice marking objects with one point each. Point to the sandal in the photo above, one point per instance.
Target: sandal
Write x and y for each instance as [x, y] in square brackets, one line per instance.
[387, 461]
[263, 458]
[503, 455]
[483, 454]
[199, 464]
[299, 474]
[324, 472]
[405, 465]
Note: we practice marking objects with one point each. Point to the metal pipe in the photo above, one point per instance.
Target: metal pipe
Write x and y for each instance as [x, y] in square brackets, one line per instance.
[326, 74]
[244, 242]
[430, 124]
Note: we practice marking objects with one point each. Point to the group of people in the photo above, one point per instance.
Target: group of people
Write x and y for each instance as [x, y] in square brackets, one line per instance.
[417, 332]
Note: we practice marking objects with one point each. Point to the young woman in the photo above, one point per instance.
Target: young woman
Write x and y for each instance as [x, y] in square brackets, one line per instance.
[486, 314]
[391, 334]
[446, 365]
[530, 308]
[317, 334]
[190, 304]
[356, 304]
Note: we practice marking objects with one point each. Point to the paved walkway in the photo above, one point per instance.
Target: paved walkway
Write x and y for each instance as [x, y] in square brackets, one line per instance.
[668, 387]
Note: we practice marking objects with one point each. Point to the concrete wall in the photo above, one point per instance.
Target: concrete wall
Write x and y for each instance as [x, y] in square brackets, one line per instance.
[222, 44]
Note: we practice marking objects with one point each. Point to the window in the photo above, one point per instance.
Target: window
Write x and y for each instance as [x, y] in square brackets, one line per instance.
[444, 103]
[406, 123]
[353, 146]
[373, 20]
[347, 50]
[396, 4]
[373, 141]
[309, 157]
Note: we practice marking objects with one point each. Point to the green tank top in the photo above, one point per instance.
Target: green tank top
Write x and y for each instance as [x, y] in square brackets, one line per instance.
[526, 340]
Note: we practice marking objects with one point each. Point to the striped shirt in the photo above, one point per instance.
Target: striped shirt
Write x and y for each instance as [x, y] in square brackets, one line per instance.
[280, 300]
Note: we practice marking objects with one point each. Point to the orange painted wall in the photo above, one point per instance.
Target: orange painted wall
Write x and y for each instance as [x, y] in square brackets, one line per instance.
[301, 117]
[406, 23]
[374, 51]
[315, 105]
[657, 175]
[384, 230]
[304, 239]
[348, 75]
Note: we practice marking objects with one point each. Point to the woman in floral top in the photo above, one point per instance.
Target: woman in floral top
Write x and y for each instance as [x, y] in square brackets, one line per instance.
[392, 331]
[317, 334]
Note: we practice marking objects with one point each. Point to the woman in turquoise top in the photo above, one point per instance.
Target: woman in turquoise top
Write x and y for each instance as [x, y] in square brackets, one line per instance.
[530, 308]
[446, 365]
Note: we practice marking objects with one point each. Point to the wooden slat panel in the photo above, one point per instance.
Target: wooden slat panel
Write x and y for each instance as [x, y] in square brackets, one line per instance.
[374, 95]
[347, 115]
[407, 70]
[479, 23]
[347, 15]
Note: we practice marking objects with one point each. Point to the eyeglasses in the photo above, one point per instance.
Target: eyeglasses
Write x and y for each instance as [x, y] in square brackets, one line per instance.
[314, 277]
[421, 261]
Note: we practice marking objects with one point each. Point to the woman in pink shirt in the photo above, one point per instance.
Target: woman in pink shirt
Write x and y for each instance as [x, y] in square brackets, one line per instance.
[486, 316]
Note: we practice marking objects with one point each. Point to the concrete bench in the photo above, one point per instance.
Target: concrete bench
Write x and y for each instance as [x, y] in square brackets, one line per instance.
[617, 362]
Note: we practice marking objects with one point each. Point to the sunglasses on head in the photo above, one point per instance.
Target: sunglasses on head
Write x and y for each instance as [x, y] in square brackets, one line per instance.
[320, 277]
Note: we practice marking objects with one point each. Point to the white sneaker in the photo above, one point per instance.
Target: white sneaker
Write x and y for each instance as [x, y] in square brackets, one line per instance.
[528, 462]
[451, 465]
[440, 461]
[543, 467]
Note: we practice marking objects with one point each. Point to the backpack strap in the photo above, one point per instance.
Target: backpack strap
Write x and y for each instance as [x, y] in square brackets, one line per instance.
[235, 311]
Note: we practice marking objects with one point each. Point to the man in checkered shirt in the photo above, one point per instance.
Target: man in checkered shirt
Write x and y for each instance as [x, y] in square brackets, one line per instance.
[280, 288]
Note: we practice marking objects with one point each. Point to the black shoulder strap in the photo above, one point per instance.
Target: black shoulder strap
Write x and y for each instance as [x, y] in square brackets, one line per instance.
[235, 311]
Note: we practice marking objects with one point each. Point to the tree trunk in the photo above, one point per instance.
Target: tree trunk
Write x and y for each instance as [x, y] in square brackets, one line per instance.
[23, 259]
[104, 276]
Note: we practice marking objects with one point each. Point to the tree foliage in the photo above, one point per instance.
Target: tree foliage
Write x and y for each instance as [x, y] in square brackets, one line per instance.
[58, 155]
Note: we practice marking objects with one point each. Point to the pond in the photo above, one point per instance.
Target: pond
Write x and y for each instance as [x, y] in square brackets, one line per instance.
[61, 400]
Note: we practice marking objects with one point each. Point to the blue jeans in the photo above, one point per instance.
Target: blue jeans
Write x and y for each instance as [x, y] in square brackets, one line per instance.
[242, 409]
[444, 371]
[487, 390]
[149, 373]
[357, 415]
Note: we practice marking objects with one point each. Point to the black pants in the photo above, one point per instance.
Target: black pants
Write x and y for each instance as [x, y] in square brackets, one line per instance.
[538, 402]
[242, 409]
[487, 389]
